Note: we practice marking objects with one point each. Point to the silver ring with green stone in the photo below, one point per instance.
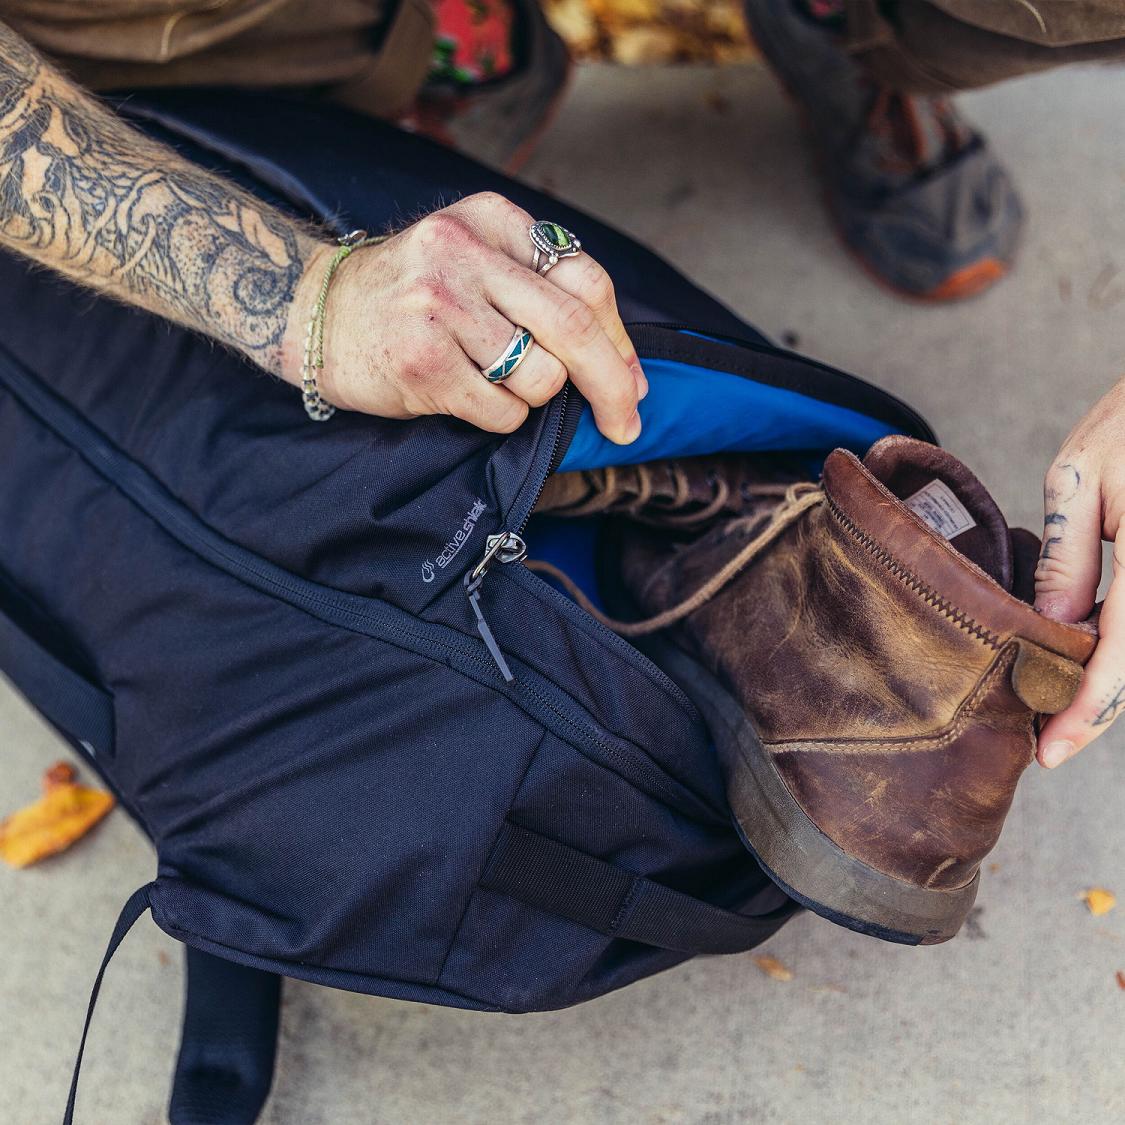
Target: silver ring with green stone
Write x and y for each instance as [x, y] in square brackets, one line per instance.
[511, 357]
[552, 242]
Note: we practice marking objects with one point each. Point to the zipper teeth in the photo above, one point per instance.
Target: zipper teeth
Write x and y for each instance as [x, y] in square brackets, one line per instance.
[657, 779]
[633, 652]
[564, 397]
[959, 618]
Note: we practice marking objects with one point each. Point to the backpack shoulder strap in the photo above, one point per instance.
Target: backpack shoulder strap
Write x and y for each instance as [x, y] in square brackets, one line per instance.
[229, 1042]
[592, 892]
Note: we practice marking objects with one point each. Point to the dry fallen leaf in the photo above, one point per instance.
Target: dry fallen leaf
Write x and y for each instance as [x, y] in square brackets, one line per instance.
[772, 967]
[614, 10]
[639, 32]
[64, 814]
[1099, 901]
[574, 21]
[1121, 980]
[638, 46]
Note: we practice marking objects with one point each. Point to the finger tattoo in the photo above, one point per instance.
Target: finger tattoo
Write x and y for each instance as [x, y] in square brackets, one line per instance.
[1056, 521]
[1068, 489]
[1112, 707]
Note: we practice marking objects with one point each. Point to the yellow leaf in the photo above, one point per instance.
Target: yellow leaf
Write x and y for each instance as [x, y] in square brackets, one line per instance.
[1099, 901]
[637, 46]
[573, 20]
[615, 10]
[772, 967]
[64, 814]
[643, 32]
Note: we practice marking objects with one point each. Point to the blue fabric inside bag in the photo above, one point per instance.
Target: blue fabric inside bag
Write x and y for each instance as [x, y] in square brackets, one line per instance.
[691, 411]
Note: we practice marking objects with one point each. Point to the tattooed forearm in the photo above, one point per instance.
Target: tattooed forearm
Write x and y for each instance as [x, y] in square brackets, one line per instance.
[83, 193]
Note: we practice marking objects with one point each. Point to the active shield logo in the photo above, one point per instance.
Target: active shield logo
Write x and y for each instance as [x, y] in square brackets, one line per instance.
[431, 566]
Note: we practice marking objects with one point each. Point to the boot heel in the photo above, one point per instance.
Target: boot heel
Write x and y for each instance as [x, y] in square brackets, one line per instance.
[810, 868]
[790, 848]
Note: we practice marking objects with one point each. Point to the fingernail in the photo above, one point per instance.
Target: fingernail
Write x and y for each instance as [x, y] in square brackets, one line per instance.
[1055, 753]
[632, 429]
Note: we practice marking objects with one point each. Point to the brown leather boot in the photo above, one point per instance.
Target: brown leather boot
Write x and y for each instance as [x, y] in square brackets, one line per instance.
[871, 668]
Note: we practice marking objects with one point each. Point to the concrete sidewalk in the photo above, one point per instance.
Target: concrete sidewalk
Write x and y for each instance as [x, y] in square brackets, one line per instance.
[1018, 1020]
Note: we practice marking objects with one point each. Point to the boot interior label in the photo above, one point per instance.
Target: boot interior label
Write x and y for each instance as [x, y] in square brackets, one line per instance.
[937, 507]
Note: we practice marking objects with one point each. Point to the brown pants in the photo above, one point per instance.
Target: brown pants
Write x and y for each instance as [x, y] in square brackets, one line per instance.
[371, 55]
[939, 46]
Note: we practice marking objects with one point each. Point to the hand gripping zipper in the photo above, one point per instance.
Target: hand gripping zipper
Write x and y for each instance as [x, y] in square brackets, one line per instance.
[505, 547]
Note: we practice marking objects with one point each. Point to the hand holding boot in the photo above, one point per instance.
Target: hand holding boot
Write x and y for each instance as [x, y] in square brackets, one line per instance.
[1084, 500]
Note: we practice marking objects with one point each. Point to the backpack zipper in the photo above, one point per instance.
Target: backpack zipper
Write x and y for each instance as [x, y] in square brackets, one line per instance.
[508, 546]
[512, 548]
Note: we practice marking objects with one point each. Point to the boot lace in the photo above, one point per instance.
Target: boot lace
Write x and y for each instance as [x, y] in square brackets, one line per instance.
[796, 500]
[646, 505]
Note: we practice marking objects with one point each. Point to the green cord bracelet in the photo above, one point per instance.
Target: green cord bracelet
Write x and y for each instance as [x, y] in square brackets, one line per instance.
[316, 407]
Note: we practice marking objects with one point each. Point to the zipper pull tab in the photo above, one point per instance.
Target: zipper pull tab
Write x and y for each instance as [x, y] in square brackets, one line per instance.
[506, 547]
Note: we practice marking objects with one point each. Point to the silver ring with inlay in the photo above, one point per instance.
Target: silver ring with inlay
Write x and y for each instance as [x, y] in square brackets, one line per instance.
[511, 357]
[552, 243]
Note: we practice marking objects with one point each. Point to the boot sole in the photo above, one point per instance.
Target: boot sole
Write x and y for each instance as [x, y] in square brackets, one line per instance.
[790, 848]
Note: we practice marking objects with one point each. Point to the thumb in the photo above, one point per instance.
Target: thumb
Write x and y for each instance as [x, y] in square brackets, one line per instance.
[1070, 562]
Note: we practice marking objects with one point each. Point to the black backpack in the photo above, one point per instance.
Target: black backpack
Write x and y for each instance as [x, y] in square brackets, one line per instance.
[258, 632]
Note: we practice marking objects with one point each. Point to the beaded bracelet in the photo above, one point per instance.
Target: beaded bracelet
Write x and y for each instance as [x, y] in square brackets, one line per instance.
[316, 407]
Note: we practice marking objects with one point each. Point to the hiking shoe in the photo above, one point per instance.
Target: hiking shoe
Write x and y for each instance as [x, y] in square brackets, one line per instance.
[500, 121]
[870, 666]
[912, 189]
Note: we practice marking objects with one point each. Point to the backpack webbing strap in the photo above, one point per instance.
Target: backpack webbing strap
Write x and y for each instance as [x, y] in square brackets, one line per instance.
[138, 903]
[572, 884]
[229, 1041]
[229, 1038]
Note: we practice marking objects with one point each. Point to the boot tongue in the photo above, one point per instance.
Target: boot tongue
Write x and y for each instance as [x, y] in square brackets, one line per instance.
[946, 497]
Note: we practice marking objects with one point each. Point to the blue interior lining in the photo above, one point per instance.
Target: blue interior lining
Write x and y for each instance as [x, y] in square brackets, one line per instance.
[691, 411]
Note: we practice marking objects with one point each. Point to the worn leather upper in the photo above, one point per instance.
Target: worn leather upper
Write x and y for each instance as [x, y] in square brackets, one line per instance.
[876, 663]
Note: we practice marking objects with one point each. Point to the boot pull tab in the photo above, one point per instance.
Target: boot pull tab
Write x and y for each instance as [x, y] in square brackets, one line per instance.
[1045, 681]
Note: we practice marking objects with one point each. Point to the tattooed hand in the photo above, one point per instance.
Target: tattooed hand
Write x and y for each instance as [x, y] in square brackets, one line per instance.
[1084, 495]
[411, 322]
